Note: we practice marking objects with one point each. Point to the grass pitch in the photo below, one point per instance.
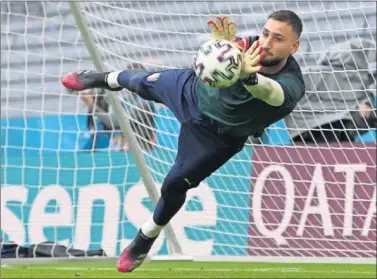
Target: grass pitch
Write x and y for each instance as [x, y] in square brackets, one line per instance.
[188, 269]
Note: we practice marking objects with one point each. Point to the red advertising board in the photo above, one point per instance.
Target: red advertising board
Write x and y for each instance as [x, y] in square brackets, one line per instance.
[313, 201]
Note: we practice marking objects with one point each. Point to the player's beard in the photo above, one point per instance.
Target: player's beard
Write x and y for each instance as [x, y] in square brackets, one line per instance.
[270, 63]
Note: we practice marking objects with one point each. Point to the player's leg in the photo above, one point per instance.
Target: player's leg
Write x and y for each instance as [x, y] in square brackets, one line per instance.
[200, 153]
[166, 87]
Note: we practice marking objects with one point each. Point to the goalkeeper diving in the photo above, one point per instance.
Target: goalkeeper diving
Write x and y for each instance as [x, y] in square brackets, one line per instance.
[215, 122]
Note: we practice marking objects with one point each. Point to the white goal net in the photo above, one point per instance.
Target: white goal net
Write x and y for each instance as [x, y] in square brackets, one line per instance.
[304, 189]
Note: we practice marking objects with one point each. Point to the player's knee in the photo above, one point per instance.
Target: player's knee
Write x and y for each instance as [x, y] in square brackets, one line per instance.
[174, 186]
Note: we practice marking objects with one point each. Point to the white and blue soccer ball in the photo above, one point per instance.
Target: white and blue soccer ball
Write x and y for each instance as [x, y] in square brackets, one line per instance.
[218, 63]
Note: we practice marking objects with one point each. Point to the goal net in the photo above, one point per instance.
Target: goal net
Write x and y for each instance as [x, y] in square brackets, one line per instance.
[304, 190]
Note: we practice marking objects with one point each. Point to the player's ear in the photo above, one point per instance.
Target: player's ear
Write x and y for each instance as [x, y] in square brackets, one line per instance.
[295, 46]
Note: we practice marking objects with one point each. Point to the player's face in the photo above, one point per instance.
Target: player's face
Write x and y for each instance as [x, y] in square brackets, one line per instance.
[278, 40]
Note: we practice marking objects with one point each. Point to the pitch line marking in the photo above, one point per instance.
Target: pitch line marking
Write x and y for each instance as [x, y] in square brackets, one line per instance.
[261, 270]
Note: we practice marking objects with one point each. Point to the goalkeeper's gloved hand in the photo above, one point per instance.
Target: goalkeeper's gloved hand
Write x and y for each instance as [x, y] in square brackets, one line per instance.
[223, 28]
[251, 60]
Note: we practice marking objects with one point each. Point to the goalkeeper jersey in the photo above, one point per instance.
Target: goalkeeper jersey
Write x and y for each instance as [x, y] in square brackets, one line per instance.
[239, 112]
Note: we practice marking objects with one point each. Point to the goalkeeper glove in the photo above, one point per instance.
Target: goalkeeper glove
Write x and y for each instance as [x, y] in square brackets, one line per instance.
[225, 29]
[251, 60]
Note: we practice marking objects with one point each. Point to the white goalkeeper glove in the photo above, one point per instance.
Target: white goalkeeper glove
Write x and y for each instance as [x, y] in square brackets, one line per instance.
[251, 60]
[225, 29]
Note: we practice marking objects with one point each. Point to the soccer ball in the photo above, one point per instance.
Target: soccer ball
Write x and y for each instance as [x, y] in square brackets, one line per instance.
[218, 63]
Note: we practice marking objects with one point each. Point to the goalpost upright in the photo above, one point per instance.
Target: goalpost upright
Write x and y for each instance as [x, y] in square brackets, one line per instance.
[125, 125]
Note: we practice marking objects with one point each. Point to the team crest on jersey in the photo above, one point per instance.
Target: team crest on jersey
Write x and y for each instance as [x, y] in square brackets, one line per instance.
[153, 77]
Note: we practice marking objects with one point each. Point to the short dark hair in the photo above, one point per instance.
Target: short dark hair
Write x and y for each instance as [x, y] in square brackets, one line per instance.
[290, 17]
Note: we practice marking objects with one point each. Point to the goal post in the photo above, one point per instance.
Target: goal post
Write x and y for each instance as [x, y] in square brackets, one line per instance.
[277, 200]
[124, 124]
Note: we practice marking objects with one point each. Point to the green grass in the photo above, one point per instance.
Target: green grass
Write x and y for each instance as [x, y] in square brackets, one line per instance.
[187, 269]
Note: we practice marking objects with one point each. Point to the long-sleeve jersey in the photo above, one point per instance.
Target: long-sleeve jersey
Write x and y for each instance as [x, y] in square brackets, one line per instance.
[239, 112]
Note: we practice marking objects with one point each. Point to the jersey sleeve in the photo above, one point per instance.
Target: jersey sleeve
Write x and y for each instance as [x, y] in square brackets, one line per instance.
[293, 88]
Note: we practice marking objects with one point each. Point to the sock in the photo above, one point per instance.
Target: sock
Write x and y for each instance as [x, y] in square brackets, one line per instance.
[112, 79]
[151, 229]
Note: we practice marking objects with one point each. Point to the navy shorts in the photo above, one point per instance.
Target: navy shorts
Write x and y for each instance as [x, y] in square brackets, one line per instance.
[202, 147]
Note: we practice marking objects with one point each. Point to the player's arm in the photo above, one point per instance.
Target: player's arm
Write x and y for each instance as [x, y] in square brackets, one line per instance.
[261, 87]
[267, 90]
